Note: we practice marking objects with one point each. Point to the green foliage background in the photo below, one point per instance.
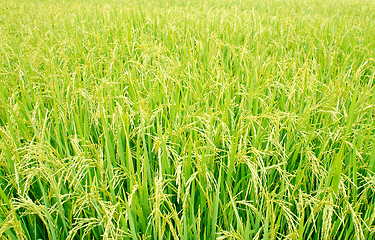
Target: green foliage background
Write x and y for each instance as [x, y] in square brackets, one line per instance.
[187, 119]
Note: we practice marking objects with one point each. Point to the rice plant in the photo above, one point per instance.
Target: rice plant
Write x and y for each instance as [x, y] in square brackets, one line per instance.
[192, 119]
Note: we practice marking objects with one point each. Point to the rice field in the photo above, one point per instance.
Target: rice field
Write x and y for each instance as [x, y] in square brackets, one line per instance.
[191, 119]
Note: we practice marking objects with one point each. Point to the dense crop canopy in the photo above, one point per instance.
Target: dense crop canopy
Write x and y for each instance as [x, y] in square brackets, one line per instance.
[187, 119]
